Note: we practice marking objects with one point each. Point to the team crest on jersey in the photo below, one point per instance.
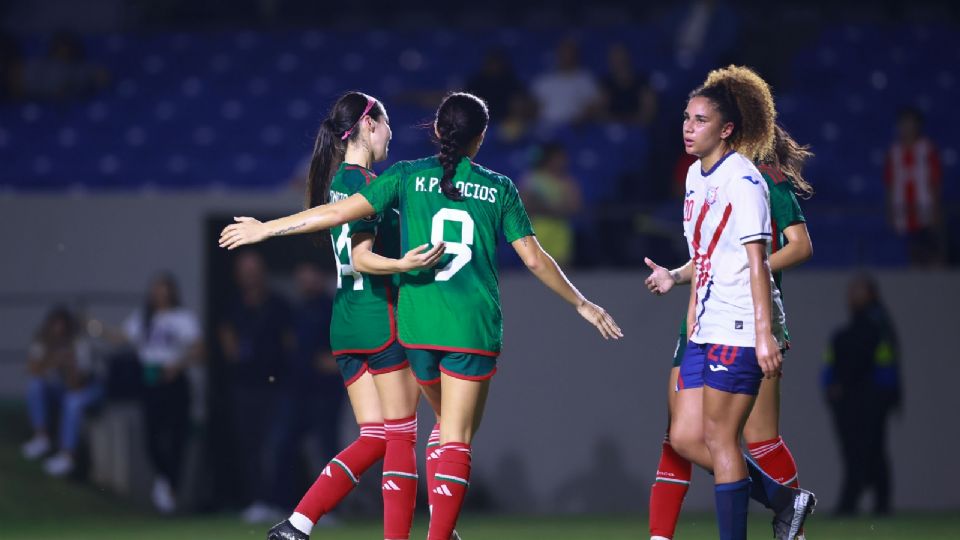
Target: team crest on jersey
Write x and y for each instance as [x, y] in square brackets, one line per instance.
[370, 219]
[711, 195]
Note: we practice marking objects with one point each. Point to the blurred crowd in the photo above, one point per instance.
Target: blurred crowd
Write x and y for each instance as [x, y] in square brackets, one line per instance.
[278, 387]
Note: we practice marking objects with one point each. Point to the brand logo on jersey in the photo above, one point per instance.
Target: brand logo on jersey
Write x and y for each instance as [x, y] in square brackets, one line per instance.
[751, 180]
[738, 325]
[715, 368]
[711, 195]
[689, 193]
[370, 219]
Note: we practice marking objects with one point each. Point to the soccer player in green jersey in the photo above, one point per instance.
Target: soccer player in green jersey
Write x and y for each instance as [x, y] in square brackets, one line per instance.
[363, 330]
[783, 174]
[449, 317]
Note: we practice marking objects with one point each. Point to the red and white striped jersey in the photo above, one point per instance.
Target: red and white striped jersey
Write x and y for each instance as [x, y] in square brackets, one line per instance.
[913, 177]
[725, 208]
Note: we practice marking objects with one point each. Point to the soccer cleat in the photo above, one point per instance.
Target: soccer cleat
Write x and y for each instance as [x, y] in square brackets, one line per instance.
[788, 523]
[285, 531]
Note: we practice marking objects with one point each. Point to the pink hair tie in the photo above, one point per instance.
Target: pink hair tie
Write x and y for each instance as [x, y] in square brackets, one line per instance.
[370, 102]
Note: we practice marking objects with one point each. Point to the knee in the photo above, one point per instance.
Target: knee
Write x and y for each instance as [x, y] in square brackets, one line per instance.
[684, 441]
[714, 436]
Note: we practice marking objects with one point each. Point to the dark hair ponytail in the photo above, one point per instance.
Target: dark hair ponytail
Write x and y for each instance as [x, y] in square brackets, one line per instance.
[338, 128]
[461, 118]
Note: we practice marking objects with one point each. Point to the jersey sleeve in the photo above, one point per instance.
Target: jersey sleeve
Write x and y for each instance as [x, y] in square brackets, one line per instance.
[514, 221]
[384, 192]
[784, 207]
[751, 209]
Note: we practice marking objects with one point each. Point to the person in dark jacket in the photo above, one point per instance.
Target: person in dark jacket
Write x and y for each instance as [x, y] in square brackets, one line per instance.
[861, 379]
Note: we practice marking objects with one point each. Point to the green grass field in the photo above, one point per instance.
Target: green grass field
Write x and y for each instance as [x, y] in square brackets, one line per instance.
[34, 507]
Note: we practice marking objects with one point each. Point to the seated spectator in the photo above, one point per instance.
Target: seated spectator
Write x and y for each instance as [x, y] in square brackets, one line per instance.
[552, 197]
[166, 337]
[914, 178]
[568, 94]
[627, 96]
[64, 73]
[61, 366]
[496, 83]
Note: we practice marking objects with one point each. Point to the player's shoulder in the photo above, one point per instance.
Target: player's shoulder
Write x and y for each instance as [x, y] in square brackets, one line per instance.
[413, 166]
[744, 173]
[352, 177]
[490, 175]
[773, 175]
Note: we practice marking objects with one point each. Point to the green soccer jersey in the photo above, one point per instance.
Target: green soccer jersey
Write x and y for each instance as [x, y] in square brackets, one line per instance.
[454, 306]
[364, 309]
[784, 212]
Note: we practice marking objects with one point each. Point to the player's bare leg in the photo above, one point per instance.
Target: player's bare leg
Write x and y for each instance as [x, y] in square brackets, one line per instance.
[686, 427]
[764, 420]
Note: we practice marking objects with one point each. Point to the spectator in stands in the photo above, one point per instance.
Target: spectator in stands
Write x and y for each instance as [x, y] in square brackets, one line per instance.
[914, 178]
[552, 197]
[861, 380]
[496, 83]
[64, 73]
[569, 93]
[626, 96]
[256, 338]
[11, 67]
[167, 339]
[312, 392]
[63, 374]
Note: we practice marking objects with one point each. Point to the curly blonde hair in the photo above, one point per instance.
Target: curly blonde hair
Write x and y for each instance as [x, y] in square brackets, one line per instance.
[744, 98]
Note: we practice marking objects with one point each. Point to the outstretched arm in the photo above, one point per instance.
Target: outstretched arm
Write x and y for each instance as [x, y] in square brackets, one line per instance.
[542, 265]
[248, 230]
[367, 261]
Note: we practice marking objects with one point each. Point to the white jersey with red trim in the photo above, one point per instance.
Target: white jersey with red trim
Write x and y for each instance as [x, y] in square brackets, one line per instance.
[725, 208]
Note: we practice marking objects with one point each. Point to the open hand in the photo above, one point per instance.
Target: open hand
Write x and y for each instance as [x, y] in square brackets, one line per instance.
[246, 230]
[659, 281]
[419, 257]
[598, 317]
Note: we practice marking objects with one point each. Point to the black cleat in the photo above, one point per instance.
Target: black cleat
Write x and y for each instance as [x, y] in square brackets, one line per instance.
[788, 523]
[285, 531]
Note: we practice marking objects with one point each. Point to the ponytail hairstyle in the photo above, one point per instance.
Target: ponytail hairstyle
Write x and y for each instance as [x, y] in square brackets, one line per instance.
[461, 118]
[341, 126]
[743, 98]
[790, 156]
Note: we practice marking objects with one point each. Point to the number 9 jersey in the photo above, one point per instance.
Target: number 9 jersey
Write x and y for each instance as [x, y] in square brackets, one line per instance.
[454, 306]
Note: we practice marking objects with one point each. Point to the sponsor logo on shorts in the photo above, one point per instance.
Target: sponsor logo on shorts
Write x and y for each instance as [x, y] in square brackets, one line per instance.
[715, 368]
[738, 325]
